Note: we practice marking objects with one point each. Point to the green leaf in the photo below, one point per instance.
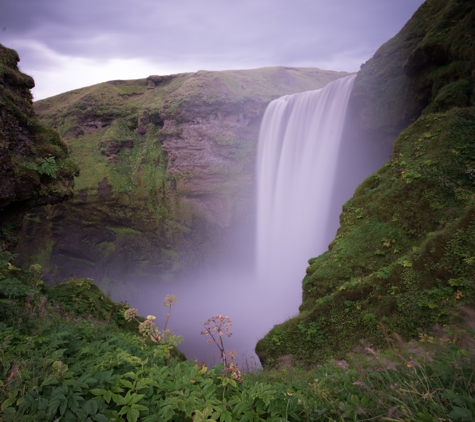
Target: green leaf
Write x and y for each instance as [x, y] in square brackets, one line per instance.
[132, 375]
[134, 398]
[139, 407]
[8, 402]
[119, 400]
[132, 415]
[91, 407]
[107, 396]
[54, 404]
[126, 383]
[49, 381]
[144, 383]
[62, 408]
[461, 414]
[98, 391]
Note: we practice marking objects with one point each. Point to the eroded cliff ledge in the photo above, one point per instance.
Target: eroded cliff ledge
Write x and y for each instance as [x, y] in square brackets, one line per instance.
[34, 165]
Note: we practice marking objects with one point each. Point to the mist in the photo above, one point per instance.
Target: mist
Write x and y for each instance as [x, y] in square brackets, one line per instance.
[251, 306]
[258, 283]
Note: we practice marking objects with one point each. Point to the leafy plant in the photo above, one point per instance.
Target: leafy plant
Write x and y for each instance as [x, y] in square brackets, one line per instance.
[147, 328]
[47, 166]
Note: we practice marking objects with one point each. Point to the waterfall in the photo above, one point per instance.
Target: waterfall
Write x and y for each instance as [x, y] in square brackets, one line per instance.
[298, 150]
[299, 162]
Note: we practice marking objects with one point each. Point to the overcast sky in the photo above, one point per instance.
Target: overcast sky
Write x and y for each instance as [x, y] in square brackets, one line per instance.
[67, 44]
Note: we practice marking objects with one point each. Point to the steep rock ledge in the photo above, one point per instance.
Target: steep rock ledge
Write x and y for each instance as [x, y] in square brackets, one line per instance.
[34, 165]
[427, 67]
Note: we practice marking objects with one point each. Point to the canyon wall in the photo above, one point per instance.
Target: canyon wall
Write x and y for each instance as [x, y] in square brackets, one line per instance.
[167, 174]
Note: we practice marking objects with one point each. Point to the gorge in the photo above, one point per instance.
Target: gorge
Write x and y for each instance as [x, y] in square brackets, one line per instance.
[165, 203]
[165, 164]
[299, 155]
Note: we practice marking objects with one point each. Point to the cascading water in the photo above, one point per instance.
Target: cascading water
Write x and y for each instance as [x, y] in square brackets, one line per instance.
[298, 157]
[298, 150]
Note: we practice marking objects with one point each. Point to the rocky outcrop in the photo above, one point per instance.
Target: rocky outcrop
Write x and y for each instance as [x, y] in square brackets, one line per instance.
[403, 258]
[167, 173]
[34, 165]
[427, 67]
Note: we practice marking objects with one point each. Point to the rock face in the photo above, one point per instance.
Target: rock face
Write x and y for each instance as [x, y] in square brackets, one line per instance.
[403, 259]
[427, 67]
[167, 173]
[34, 165]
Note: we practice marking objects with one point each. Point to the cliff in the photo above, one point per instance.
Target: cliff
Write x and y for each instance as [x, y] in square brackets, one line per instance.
[403, 259]
[167, 167]
[35, 168]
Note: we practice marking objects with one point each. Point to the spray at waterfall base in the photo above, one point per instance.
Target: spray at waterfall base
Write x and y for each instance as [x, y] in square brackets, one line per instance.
[300, 190]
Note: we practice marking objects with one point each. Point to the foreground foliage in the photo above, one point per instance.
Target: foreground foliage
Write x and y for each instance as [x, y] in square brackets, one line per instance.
[74, 358]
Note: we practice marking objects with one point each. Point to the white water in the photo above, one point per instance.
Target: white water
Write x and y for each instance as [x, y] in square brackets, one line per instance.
[298, 151]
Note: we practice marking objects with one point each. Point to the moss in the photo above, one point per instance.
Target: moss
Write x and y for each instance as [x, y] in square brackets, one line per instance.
[131, 89]
[124, 231]
[83, 298]
[427, 65]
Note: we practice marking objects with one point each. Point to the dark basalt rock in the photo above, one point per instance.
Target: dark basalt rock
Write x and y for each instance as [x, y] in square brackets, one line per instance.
[427, 67]
[35, 168]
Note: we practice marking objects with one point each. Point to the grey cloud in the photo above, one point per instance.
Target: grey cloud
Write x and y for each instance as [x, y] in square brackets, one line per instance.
[210, 33]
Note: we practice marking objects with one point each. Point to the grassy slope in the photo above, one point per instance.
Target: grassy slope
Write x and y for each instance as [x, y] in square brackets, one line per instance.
[404, 256]
[121, 103]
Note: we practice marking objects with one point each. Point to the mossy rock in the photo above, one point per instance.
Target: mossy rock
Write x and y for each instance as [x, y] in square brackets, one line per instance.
[427, 67]
[35, 167]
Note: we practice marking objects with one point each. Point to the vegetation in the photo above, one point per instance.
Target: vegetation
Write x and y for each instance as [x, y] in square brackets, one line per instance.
[35, 166]
[68, 354]
[401, 267]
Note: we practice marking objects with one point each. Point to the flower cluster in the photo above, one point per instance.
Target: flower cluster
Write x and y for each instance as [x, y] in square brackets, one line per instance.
[234, 371]
[147, 328]
[131, 314]
[216, 327]
[170, 300]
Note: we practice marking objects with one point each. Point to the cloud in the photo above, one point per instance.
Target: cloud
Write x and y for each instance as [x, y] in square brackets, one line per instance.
[99, 36]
